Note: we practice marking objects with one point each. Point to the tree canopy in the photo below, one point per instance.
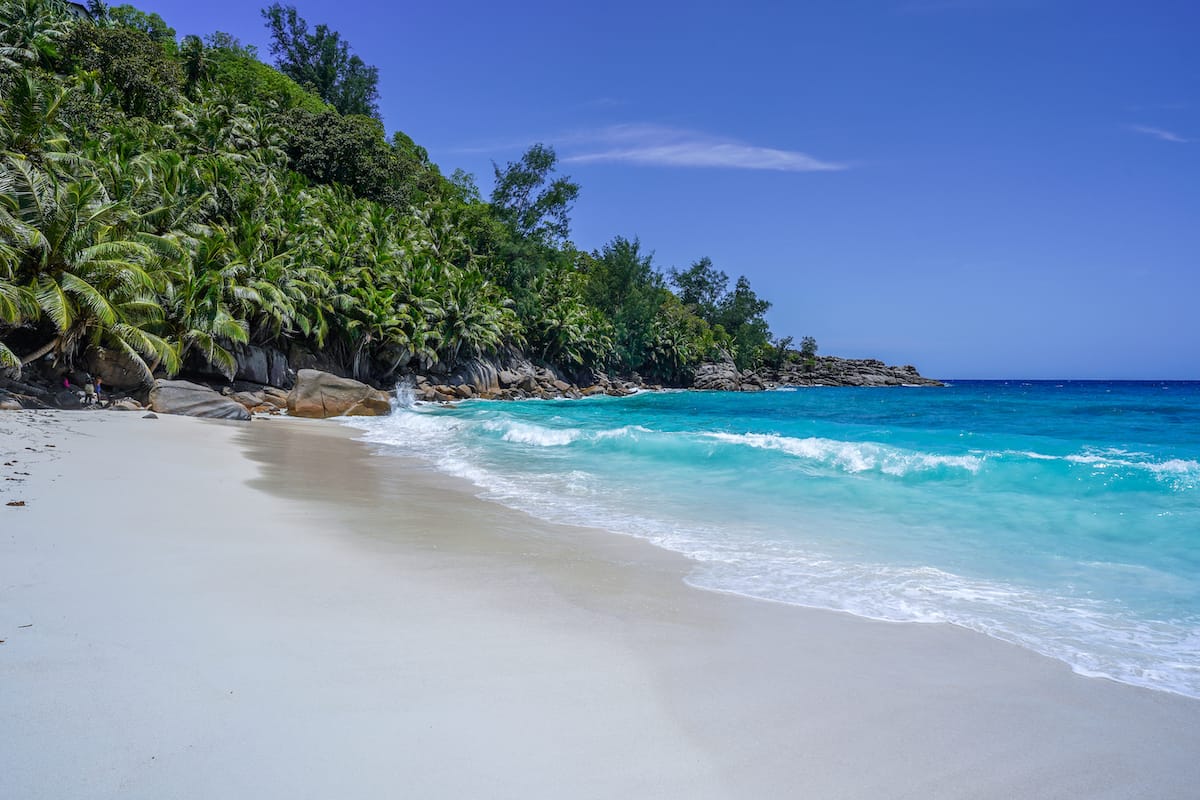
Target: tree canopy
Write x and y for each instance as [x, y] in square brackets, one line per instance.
[172, 202]
[321, 61]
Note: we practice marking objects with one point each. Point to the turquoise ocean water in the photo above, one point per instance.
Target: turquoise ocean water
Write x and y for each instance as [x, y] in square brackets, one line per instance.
[1062, 516]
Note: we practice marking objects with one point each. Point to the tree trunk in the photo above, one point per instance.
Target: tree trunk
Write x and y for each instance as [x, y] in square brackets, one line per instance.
[41, 351]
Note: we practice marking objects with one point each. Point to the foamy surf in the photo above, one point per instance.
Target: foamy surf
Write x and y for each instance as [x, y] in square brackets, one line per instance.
[1065, 534]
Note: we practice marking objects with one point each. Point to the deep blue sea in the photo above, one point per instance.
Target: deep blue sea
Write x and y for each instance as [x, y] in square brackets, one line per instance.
[1062, 516]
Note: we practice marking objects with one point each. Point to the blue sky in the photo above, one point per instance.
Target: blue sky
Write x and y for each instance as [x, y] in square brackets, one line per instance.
[984, 188]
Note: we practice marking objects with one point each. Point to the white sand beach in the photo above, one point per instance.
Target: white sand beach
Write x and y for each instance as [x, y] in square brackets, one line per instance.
[195, 609]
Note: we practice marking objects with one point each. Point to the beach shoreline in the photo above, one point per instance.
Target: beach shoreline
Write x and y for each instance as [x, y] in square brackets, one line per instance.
[273, 610]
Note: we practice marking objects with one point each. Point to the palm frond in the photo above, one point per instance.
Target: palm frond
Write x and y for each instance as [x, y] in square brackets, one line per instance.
[89, 297]
[54, 303]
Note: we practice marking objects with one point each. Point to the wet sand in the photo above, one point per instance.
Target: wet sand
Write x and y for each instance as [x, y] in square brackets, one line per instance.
[197, 609]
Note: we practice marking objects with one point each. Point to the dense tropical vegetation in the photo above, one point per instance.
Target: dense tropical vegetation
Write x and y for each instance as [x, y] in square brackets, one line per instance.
[172, 200]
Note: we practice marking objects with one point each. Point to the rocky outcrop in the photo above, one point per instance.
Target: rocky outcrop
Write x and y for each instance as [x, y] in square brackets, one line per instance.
[724, 376]
[262, 365]
[511, 376]
[19, 394]
[115, 369]
[721, 376]
[259, 365]
[258, 399]
[193, 400]
[301, 358]
[126, 404]
[478, 373]
[833, 371]
[319, 395]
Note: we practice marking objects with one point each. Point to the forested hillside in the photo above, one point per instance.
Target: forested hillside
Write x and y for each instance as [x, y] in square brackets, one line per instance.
[170, 199]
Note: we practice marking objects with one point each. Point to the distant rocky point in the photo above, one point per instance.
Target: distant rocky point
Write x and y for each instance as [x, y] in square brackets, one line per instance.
[815, 371]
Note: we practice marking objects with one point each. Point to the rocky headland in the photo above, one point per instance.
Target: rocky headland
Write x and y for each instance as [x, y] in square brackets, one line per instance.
[267, 382]
[816, 371]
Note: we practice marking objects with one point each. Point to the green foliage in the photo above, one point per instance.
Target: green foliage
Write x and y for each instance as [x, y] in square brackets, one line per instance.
[253, 82]
[146, 80]
[31, 32]
[150, 24]
[533, 205]
[739, 313]
[171, 203]
[561, 327]
[322, 60]
[29, 123]
[327, 147]
[679, 339]
[701, 286]
[808, 347]
[624, 286]
[780, 351]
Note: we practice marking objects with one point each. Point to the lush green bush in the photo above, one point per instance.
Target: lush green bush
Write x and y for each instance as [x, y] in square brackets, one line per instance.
[254, 83]
[146, 79]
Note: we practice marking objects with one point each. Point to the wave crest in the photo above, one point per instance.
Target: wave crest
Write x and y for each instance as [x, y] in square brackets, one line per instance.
[853, 457]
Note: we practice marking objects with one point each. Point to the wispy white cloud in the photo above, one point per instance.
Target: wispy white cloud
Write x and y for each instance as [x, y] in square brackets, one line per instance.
[1159, 133]
[656, 145]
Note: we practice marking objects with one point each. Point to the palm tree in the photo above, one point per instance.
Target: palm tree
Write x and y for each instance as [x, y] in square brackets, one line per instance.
[197, 304]
[474, 318]
[93, 275]
[30, 31]
[17, 303]
[28, 124]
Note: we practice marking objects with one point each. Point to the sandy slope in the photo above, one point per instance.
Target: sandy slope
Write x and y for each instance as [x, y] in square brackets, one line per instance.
[265, 610]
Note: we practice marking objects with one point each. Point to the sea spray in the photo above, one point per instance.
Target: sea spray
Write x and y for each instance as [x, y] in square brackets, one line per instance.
[1064, 518]
[405, 394]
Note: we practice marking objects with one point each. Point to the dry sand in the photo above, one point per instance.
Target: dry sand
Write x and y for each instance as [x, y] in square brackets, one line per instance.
[195, 609]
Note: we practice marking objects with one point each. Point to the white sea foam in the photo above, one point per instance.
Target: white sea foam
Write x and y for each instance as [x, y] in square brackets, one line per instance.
[405, 395]
[852, 456]
[1180, 474]
[537, 435]
[1095, 637]
[625, 431]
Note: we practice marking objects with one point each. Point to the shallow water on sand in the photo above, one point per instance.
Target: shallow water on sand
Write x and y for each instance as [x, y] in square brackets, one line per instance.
[1063, 516]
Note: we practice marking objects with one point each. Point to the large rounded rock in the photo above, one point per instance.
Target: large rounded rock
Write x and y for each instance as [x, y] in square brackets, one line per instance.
[262, 365]
[720, 376]
[478, 373]
[193, 400]
[126, 404]
[320, 394]
[117, 370]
